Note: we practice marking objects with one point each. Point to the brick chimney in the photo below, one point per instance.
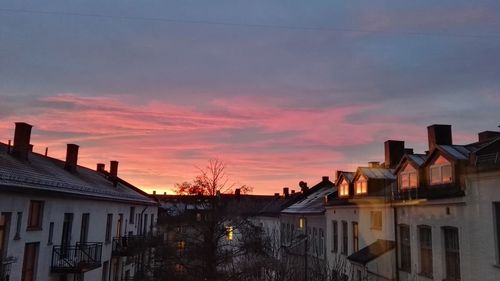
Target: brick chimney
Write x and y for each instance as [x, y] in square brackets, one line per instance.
[71, 157]
[325, 178]
[113, 172]
[439, 135]
[394, 151]
[374, 164]
[286, 192]
[487, 135]
[22, 137]
[101, 167]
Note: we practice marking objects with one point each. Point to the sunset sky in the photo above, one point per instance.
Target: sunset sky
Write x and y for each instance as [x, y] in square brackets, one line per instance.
[282, 91]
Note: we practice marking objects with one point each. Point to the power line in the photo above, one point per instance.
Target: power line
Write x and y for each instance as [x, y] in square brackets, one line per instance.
[247, 25]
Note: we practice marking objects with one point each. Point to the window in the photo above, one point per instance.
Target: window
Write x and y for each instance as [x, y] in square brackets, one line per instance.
[335, 237]
[181, 245]
[179, 268]
[405, 248]
[452, 253]
[315, 240]
[376, 220]
[440, 171]
[425, 239]
[344, 188]
[51, 233]
[344, 237]
[131, 218]
[321, 245]
[229, 232]
[302, 223]
[151, 225]
[355, 237]
[496, 206]
[19, 221]
[119, 225]
[4, 229]
[30, 262]
[35, 215]
[145, 226]
[109, 224]
[408, 178]
[105, 268]
[361, 185]
[84, 230]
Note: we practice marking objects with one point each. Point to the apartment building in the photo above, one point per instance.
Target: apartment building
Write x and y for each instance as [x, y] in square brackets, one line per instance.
[61, 221]
[447, 209]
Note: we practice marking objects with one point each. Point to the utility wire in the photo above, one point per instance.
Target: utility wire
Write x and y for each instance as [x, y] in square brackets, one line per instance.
[245, 25]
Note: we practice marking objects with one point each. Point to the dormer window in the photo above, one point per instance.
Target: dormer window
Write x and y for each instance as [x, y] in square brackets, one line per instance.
[440, 172]
[408, 178]
[344, 188]
[361, 185]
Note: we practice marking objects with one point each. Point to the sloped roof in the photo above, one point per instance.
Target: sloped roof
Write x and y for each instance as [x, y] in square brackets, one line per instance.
[418, 159]
[459, 152]
[349, 176]
[377, 173]
[372, 251]
[46, 174]
[314, 201]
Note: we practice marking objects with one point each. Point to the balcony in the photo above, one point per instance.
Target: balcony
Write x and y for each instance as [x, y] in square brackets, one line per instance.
[80, 258]
[127, 246]
[5, 264]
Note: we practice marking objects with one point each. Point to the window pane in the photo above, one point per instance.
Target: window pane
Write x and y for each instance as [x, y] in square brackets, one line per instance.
[435, 174]
[446, 173]
[413, 179]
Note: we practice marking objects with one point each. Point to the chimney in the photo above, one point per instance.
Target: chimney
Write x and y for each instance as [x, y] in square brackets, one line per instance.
[154, 192]
[374, 164]
[276, 195]
[408, 150]
[22, 137]
[71, 157]
[165, 193]
[439, 135]
[9, 146]
[101, 167]
[293, 191]
[326, 178]
[113, 172]
[488, 135]
[286, 192]
[46, 151]
[394, 151]
[237, 193]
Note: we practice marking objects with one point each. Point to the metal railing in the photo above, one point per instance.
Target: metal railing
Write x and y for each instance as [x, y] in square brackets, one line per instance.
[5, 264]
[80, 258]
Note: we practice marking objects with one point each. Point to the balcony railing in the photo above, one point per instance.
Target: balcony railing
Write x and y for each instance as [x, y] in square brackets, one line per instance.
[80, 258]
[5, 264]
[126, 246]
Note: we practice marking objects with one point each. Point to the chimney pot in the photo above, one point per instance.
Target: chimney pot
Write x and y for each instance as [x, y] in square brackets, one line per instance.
[71, 157]
[101, 167]
[286, 192]
[439, 135]
[22, 137]
[394, 151]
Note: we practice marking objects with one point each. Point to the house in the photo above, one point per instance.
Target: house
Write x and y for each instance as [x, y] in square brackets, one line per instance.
[303, 231]
[361, 222]
[447, 209]
[61, 221]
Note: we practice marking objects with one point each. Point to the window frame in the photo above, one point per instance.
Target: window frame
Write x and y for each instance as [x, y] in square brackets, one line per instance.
[449, 252]
[355, 236]
[344, 188]
[407, 184]
[345, 238]
[404, 248]
[439, 165]
[361, 186]
[335, 236]
[425, 251]
[35, 220]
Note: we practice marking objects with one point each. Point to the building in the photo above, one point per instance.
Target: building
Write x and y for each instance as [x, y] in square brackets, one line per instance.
[303, 232]
[361, 221]
[61, 221]
[447, 209]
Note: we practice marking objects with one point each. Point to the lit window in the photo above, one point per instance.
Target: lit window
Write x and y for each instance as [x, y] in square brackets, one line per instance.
[229, 232]
[35, 215]
[180, 247]
[179, 268]
[302, 223]
[440, 171]
[344, 188]
[361, 184]
[408, 178]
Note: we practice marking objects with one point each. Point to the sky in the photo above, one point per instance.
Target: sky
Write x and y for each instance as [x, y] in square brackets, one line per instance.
[280, 91]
